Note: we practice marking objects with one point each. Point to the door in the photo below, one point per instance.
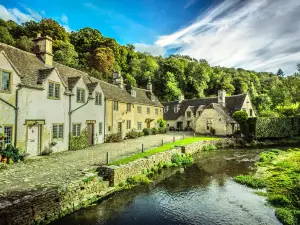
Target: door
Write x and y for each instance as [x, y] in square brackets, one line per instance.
[148, 124]
[91, 134]
[119, 127]
[33, 135]
[179, 125]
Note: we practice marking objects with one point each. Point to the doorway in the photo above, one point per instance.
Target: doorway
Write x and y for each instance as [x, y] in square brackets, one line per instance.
[179, 126]
[119, 127]
[91, 129]
[33, 140]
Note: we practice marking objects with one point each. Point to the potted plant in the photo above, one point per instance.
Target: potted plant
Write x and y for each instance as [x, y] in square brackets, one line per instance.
[2, 136]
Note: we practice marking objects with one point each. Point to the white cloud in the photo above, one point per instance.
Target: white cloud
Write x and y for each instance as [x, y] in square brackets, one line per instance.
[152, 49]
[18, 16]
[260, 34]
[64, 19]
[189, 3]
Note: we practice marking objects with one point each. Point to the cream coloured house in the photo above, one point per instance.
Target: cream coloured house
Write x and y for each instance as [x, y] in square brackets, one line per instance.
[45, 104]
[206, 114]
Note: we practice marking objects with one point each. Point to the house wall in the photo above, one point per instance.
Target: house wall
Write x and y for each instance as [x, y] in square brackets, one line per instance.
[36, 106]
[217, 122]
[247, 106]
[90, 111]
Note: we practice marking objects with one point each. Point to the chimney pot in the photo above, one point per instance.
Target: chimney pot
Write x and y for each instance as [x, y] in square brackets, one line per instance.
[222, 97]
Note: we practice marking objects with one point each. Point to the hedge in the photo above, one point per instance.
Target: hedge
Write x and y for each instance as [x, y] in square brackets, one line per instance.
[265, 127]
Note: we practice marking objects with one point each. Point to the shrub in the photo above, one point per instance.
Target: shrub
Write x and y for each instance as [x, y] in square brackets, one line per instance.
[162, 123]
[250, 181]
[146, 131]
[209, 148]
[47, 151]
[182, 159]
[267, 157]
[140, 134]
[162, 130]
[113, 138]
[11, 153]
[154, 130]
[279, 200]
[138, 179]
[240, 116]
[285, 216]
[132, 134]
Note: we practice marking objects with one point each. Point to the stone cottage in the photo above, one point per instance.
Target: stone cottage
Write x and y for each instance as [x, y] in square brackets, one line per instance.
[46, 104]
[128, 107]
[207, 115]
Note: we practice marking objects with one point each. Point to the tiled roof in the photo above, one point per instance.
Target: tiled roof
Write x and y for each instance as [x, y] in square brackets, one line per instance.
[33, 72]
[233, 103]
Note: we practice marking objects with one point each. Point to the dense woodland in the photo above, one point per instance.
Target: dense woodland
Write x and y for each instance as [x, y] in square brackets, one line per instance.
[86, 49]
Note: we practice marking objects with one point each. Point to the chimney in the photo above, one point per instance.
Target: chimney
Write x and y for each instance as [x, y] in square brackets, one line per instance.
[181, 98]
[118, 79]
[43, 49]
[221, 97]
[149, 85]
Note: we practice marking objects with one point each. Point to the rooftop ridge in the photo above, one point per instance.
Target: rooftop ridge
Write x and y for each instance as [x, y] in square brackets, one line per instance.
[10, 46]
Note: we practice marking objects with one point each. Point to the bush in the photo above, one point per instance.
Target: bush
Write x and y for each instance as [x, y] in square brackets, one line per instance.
[279, 200]
[285, 216]
[250, 181]
[182, 159]
[110, 138]
[140, 134]
[162, 123]
[146, 131]
[240, 116]
[47, 151]
[267, 157]
[162, 130]
[132, 134]
[154, 130]
[139, 179]
[12, 153]
[207, 148]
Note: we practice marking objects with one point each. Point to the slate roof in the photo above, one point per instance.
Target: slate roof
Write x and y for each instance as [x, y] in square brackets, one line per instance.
[33, 72]
[233, 103]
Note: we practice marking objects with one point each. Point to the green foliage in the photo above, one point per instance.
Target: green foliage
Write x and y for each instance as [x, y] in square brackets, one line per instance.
[285, 216]
[162, 123]
[12, 153]
[182, 159]
[138, 179]
[5, 36]
[79, 142]
[146, 131]
[134, 134]
[207, 148]
[240, 116]
[162, 130]
[111, 138]
[154, 130]
[250, 181]
[279, 200]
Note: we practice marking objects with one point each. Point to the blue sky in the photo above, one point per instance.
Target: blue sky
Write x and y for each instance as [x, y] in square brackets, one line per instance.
[261, 35]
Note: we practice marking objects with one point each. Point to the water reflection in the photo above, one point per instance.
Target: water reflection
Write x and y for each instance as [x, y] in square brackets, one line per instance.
[203, 194]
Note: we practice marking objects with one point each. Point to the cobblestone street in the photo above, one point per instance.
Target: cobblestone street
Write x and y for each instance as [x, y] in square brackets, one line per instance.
[45, 171]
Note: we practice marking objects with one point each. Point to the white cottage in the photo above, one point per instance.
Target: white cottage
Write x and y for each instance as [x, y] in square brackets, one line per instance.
[45, 104]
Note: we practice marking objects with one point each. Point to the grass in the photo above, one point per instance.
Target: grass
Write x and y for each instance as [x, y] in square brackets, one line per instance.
[163, 148]
[250, 181]
[280, 171]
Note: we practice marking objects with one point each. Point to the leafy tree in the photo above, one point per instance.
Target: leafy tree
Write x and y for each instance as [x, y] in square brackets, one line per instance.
[6, 37]
[172, 90]
[103, 60]
[298, 67]
[280, 73]
[240, 116]
[66, 54]
[25, 43]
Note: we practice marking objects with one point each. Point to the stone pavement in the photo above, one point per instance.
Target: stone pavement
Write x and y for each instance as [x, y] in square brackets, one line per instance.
[59, 168]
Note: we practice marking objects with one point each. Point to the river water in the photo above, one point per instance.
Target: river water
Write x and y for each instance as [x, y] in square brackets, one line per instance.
[203, 193]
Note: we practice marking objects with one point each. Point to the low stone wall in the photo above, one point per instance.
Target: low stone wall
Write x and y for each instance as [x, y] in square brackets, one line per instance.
[44, 206]
[117, 174]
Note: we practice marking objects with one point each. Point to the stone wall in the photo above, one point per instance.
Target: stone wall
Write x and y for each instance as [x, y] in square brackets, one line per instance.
[44, 206]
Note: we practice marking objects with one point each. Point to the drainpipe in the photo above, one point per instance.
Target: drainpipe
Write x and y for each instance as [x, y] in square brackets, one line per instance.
[16, 108]
[70, 116]
[104, 122]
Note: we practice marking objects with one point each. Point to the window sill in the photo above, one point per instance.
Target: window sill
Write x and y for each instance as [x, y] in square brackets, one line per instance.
[80, 102]
[57, 139]
[5, 91]
[53, 98]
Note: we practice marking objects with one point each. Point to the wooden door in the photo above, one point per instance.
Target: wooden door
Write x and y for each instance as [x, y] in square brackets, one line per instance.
[91, 134]
[148, 124]
[33, 135]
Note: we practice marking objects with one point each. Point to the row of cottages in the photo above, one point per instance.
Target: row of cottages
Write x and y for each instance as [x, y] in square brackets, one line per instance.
[46, 104]
[207, 115]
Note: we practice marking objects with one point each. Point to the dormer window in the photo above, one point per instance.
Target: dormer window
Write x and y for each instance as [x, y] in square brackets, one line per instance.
[98, 99]
[80, 95]
[166, 109]
[176, 108]
[133, 93]
[5, 80]
[53, 90]
[188, 114]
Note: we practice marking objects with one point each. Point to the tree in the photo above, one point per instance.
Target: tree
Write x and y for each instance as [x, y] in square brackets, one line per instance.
[298, 67]
[240, 116]
[172, 90]
[66, 54]
[25, 43]
[5, 36]
[280, 73]
[103, 60]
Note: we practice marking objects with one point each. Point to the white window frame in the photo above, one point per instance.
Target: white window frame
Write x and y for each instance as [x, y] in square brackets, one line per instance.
[77, 129]
[80, 95]
[139, 125]
[59, 130]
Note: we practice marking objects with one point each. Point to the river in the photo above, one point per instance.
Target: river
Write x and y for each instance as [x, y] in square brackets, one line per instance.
[203, 193]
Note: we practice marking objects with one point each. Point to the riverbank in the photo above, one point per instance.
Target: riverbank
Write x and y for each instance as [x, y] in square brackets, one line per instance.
[279, 172]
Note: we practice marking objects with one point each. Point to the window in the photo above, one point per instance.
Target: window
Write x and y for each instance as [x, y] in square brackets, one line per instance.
[53, 90]
[5, 81]
[98, 99]
[128, 124]
[148, 110]
[76, 128]
[8, 133]
[176, 108]
[108, 128]
[100, 128]
[133, 93]
[188, 114]
[166, 109]
[128, 107]
[116, 106]
[57, 131]
[208, 124]
[199, 113]
[156, 111]
[139, 109]
[139, 125]
[80, 95]
[251, 112]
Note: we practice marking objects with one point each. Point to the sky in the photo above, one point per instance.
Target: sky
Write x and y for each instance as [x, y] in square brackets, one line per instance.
[261, 35]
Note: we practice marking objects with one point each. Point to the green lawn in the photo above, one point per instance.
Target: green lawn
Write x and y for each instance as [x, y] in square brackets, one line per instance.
[163, 148]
